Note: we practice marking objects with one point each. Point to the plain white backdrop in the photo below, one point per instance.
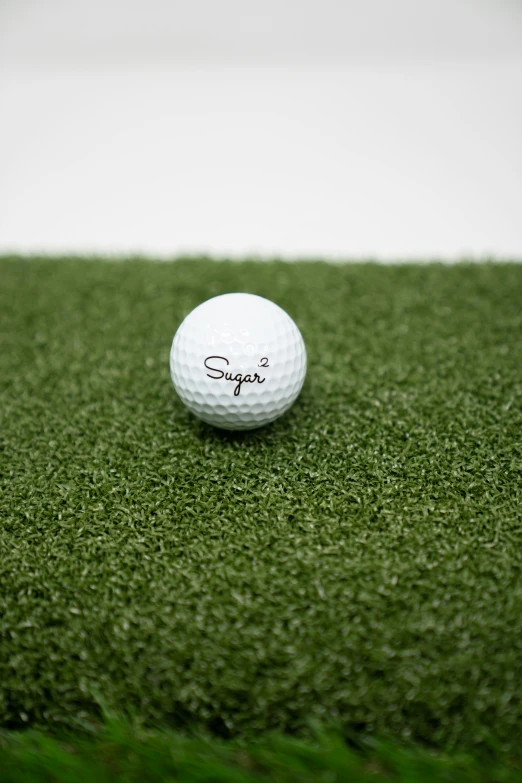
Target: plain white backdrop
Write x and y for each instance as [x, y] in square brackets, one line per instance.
[385, 128]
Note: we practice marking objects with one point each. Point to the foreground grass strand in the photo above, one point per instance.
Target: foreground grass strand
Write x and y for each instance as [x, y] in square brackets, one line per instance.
[121, 754]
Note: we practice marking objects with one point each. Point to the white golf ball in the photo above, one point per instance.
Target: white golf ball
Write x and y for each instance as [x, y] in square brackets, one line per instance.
[238, 361]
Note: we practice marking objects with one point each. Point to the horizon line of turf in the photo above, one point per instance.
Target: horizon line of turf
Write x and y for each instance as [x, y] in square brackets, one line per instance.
[137, 257]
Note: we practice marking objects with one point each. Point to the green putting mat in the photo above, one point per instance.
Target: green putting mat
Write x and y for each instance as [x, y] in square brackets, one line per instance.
[358, 562]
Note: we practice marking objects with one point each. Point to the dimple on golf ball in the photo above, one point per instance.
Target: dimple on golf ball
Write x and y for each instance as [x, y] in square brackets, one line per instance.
[238, 361]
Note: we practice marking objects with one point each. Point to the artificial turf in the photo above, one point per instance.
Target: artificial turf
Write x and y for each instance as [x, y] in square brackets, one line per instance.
[357, 563]
[121, 753]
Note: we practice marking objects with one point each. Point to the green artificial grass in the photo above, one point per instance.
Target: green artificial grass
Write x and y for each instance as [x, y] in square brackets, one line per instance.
[356, 563]
[124, 754]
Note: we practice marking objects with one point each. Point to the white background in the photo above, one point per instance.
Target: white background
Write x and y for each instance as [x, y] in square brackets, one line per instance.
[379, 128]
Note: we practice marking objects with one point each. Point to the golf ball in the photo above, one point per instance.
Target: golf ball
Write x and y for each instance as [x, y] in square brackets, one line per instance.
[238, 361]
